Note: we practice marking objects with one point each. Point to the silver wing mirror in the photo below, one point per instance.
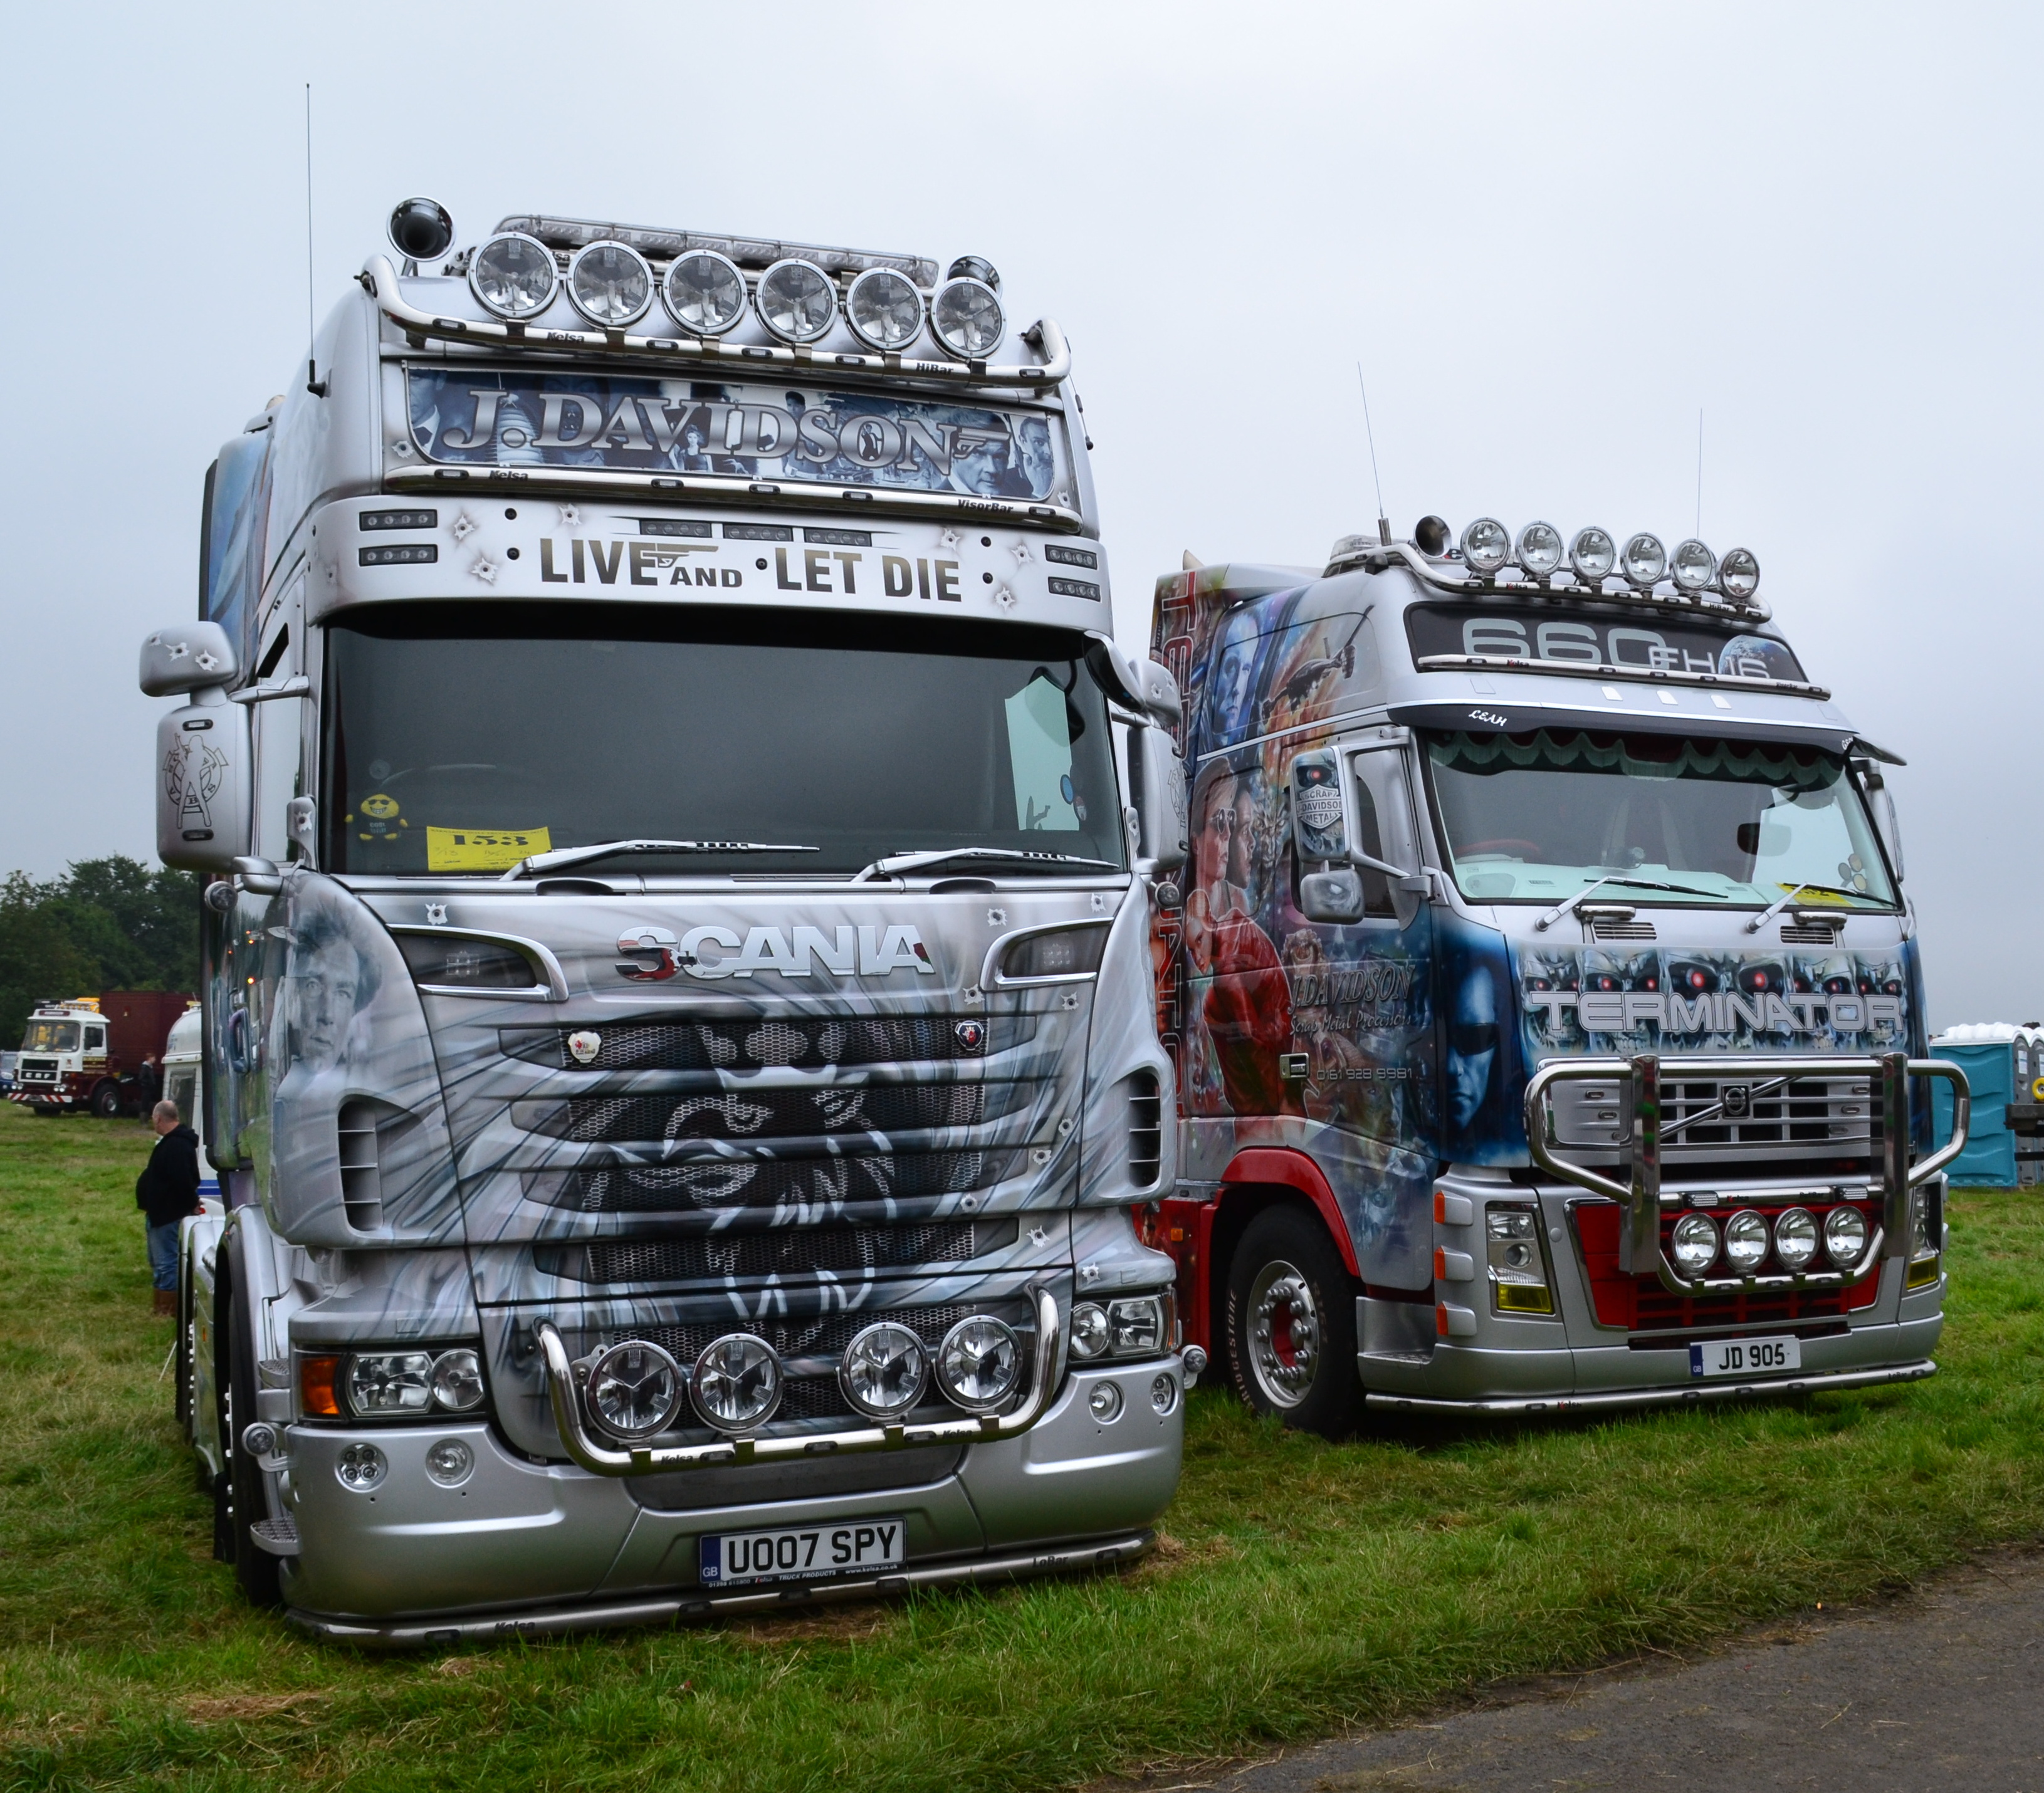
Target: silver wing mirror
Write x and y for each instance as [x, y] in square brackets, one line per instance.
[203, 786]
[191, 657]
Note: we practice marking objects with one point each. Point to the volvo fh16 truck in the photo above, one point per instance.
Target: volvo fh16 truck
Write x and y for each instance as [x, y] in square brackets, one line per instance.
[1544, 992]
[678, 1005]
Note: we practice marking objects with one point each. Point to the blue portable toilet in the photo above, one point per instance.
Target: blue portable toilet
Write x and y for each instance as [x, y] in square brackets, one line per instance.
[2001, 1063]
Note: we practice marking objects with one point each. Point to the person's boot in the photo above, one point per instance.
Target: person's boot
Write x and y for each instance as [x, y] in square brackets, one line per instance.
[167, 1301]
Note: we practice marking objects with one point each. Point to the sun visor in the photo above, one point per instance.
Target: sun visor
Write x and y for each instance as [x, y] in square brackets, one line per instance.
[1636, 712]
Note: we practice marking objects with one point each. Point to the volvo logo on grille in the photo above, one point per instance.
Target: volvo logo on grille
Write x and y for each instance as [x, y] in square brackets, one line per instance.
[971, 1034]
[1737, 1099]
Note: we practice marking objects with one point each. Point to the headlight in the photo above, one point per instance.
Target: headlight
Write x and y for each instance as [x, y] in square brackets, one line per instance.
[1745, 1241]
[979, 1365]
[884, 1370]
[1693, 566]
[796, 300]
[1486, 545]
[457, 1380]
[1592, 554]
[966, 316]
[449, 1463]
[1795, 1238]
[462, 962]
[1920, 1245]
[1136, 1326]
[1844, 1237]
[610, 284]
[1539, 549]
[703, 293]
[1646, 561]
[513, 275]
[1067, 952]
[737, 1382]
[635, 1389]
[389, 1381]
[1696, 1243]
[1089, 1331]
[884, 309]
[1739, 572]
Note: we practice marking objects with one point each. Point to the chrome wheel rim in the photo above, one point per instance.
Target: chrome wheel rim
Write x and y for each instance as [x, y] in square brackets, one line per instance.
[1284, 1335]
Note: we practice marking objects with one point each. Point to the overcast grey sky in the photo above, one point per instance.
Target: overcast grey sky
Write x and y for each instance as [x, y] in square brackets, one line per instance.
[1550, 233]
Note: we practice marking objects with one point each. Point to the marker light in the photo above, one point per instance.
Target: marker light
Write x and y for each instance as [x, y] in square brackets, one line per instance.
[421, 230]
[610, 284]
[1845, 1236]
[514, 275]
[967, 319]
[1739, 572]
[703, 293]
[1592, 554]
[1646, 561]
[796, 300]
[1745, 1241]
[1693, 566]
[1695, 1242]
[1486, 545]
[1795, 1238]
[1539, 549]
[737, 1382]
[884, 309]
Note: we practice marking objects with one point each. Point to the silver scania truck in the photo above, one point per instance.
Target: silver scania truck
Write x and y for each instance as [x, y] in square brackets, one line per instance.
[679, 1036]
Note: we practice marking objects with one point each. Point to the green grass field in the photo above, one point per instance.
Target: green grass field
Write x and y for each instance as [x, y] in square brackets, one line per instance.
[1303, 1586]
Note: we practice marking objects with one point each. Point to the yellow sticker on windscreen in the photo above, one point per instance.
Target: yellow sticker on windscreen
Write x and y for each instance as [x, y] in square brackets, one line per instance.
[1815, 896]
[482, 850]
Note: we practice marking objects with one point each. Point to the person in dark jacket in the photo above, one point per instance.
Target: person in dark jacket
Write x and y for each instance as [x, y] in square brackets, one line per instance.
[166, 1192]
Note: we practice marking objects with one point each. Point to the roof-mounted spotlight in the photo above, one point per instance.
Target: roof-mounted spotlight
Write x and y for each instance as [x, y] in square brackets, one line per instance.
[1738, 574]
[1693, 567]
[795, 300]
[884, 309]
[1539, 550]
[1486, 545]
[513, 275]
[421, 230]
[966, 316]
[610, 284]
[1592, 554]
[1430, 536]
[704, 291]
[1646, 561]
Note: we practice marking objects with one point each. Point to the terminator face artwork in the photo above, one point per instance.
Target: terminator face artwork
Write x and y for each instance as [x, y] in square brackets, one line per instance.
[1471, 1057]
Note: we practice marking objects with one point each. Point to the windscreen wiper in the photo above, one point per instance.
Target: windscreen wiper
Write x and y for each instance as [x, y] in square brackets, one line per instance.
[1780, 903]
[898, 862]
[577, 855]
[1561, 909]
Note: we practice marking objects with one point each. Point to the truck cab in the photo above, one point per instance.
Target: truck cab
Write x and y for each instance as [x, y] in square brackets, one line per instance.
[1544, 992]
[63, 1065]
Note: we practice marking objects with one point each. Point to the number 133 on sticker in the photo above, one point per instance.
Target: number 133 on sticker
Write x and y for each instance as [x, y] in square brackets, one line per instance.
[482, 850]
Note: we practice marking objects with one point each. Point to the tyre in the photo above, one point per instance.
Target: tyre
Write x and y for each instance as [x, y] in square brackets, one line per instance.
[245, 1497]
[1291, 1324]
[106, 1101]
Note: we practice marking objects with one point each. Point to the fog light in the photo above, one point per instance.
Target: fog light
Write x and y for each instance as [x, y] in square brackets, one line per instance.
[1646, 561]
[1486, 545]
[703, 293]
[360, 1467]
[1539, 549]
[1105, 1401]
[884, 1370]
[634, 1389]
[1089, 1331]
[1164, 1393]
[457, 1380]
[513, 275]
[737, 1382]
[1844, 1237]
[1593, 554]
[979, 1365]
[1795, 1238]
[1745, 1241]
[449, 1462]
[389, 1381]
[1696, 1243]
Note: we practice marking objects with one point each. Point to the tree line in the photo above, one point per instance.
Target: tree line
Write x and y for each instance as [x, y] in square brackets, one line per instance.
[106, 924]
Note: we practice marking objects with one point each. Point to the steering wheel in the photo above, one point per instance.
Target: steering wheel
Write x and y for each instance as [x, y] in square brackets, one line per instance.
[1507, 847]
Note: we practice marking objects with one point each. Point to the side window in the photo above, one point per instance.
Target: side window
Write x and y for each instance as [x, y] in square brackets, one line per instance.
[1370, 837]
[95, 1039]
[278, 724]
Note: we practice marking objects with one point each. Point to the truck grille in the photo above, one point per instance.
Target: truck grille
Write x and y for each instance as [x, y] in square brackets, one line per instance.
[793, 1252]
[765, 1113]
[764, 1182]
[1834, 1113]
[799, 1042]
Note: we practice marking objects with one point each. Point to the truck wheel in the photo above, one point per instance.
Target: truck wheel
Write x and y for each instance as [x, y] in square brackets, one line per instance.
[242, 1495]
[106, 1101]
[1291, 1324]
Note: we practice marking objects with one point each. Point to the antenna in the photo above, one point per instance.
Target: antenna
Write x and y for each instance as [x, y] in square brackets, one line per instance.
[1383, 522]
[1700, 473]
[314, 384]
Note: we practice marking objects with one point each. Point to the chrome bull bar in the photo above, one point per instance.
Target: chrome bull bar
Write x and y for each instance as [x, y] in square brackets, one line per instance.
[1639, 1252]
[645, 1460]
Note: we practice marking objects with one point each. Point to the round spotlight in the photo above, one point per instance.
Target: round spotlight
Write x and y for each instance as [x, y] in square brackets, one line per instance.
[966, 316]
[635, 1389]
[1593, 554]
[1486, 545]
[514, 275]
[457, 1380]
[737, 1382]
[703, 293]
[1795, 1238]
[1430, 536]
[1090, 1330]
[1739, 572]
[610, 284]
[884, 309]
[1105, 1402]
[1696, 1243]
[1844, 1237]
[884, 1370]
[1540, 549]
[1745, 1241]
[796, 300]
[1646, 561]
[979, 1365]
[360, 1467]
[1693, 566]
[449, 1462]
[421, 230]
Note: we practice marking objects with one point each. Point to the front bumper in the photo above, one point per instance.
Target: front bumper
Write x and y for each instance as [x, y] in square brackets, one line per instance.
[1799, 1383]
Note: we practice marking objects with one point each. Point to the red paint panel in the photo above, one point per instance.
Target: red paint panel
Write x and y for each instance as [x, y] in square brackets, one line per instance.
[1294, 1170]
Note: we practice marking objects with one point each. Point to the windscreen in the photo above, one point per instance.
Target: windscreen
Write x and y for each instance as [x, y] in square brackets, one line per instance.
[50, 1036]
[462, 739]
[1654, 819]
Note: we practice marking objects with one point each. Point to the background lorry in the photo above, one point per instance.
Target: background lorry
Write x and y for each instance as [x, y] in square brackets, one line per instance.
[85, 1055]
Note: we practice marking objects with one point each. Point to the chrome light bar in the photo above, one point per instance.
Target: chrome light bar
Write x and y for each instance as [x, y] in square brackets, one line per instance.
[747, 251]
[1641, 1196]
